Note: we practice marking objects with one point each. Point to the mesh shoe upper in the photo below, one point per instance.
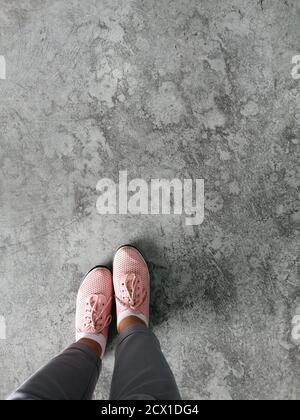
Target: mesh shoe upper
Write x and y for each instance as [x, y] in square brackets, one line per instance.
[131, 282]
[94, 304]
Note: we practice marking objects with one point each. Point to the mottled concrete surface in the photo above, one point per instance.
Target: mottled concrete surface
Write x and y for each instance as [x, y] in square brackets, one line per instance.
[165, 88]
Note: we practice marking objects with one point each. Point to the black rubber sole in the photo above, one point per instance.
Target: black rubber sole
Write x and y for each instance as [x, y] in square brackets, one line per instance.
[131, 246]
[97, 266]
[107, 268]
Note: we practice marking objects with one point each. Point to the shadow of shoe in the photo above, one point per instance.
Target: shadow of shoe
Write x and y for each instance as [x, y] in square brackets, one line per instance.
[181, 279]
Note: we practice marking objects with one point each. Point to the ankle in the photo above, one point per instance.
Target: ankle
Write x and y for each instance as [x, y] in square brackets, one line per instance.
[93, 345]
[129, 321]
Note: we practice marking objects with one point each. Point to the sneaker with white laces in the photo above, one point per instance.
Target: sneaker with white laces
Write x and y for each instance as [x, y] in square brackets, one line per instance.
[94, 305]
[132, 284]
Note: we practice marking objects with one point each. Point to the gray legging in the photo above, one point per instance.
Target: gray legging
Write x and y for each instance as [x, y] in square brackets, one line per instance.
[141, 372]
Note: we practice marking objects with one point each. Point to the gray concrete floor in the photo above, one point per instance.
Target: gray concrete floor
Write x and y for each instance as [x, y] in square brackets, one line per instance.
[169, 88]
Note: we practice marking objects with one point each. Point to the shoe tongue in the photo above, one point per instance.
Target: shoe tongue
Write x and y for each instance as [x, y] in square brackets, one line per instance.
[97, 300]
[130, 277]
[127, 279]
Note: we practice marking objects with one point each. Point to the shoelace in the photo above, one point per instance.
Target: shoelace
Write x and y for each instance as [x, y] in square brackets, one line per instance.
[93, 321]
[134, 299]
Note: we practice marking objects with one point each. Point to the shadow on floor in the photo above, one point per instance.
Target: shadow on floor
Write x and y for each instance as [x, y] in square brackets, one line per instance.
[185, 278]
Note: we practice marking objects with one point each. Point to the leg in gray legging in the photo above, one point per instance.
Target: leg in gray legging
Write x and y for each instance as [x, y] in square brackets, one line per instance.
[72, 375]
[141, 370]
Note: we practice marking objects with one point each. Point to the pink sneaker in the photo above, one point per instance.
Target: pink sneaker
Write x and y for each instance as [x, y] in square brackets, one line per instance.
[132, 284]
[94, 304]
